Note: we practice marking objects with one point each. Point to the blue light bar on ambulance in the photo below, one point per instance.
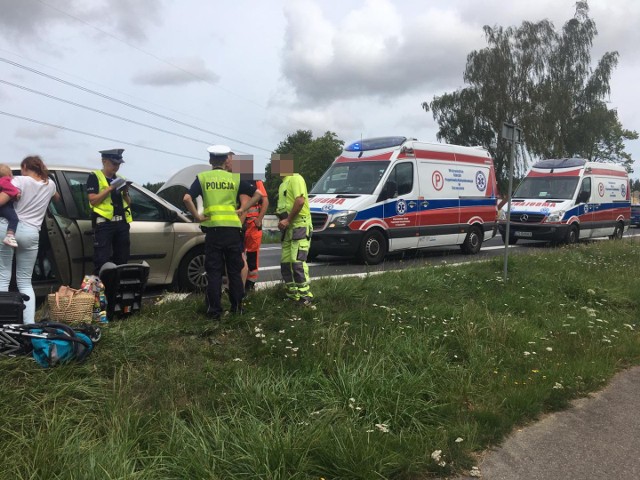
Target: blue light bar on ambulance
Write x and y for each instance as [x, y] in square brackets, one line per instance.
[375, 144]
[560, 163]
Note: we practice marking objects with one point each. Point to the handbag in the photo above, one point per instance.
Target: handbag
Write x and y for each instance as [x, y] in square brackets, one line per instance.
[70, 305]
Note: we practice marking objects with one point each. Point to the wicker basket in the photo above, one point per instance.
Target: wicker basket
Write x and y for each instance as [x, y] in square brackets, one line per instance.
[69, 305]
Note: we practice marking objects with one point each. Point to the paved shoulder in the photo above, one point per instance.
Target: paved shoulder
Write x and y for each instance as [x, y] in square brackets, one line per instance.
[597, 438]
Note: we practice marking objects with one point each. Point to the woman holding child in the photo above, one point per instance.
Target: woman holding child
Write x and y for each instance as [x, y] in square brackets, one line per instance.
[36, 191]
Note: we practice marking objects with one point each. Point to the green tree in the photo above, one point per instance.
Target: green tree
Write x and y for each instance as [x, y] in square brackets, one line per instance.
[154, 187]
[541, 80]
[312, 156]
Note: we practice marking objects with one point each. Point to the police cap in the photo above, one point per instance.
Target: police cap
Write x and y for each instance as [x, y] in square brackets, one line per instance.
[217, 151]
[115, 155]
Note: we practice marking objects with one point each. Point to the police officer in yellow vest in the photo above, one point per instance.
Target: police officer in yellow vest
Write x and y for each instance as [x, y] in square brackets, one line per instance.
[220, 221]
[110, 203]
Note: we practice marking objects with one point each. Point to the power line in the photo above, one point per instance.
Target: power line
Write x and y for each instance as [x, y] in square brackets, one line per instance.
[127, 104]
[102, 112]
[61, 127]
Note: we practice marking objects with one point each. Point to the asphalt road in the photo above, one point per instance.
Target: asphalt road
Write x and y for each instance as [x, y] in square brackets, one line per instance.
[330, 266]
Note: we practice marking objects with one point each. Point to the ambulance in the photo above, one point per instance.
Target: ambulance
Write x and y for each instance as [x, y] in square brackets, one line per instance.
[569, 199]
[396, 193]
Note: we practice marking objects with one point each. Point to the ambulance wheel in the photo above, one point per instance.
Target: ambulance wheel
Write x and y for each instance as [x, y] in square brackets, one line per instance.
[618, 232]
[191, 275]
[572, 235]
[472, 242]
[373, 248]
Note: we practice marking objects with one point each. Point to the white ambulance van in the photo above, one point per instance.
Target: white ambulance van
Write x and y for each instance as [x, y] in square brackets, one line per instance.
[396, 193]
[568, 199]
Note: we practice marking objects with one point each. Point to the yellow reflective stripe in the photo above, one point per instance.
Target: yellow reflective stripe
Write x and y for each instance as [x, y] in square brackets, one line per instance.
[220, 208]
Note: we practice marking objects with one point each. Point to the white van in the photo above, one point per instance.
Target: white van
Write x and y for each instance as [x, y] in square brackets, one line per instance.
[568, 199]
[395, 193]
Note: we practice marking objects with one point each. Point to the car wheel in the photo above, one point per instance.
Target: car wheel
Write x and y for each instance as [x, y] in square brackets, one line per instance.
[191, 275]
[618, 232]
[572, 235]
[373, 248]
[472, 242]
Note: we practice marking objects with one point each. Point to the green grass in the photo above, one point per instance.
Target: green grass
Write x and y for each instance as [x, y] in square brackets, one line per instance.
[387, 370]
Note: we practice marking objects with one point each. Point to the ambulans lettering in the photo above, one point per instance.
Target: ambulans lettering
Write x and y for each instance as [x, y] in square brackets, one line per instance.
[219, 186]
[334, 201]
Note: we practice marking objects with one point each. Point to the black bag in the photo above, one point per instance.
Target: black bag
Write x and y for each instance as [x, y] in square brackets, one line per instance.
[11, 307]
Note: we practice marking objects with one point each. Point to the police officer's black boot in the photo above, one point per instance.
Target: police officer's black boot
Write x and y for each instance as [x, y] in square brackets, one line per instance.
[249, 286]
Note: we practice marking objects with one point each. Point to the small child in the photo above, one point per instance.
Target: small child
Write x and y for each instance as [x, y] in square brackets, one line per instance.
[7, 210]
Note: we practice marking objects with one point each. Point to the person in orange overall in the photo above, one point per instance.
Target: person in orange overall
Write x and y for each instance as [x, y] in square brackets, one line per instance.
[253, 234]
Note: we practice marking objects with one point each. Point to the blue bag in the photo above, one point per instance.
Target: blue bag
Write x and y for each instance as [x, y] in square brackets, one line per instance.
[56, 343]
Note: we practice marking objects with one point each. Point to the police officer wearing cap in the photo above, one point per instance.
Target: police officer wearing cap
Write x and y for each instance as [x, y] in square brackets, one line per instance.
[220, 190]
[110, 203]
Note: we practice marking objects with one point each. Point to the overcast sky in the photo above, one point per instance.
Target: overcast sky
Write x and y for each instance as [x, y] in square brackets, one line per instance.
[166, 78]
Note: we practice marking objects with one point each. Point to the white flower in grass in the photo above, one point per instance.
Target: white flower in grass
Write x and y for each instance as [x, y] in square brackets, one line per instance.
[237, 359]
[383, 427]
[591, 291]
[459, 439]
[435, 455]
[526, 354]
[475, 472]
[549, 349]
[558, 386]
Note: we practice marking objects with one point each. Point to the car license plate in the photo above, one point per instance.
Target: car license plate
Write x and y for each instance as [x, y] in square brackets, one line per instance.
[523, 234]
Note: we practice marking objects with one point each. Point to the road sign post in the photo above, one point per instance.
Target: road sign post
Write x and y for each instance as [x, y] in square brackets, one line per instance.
[512, 134]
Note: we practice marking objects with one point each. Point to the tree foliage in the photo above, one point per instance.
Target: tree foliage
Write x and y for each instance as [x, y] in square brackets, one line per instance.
[154, 187]
[312, 156]
[541, 80]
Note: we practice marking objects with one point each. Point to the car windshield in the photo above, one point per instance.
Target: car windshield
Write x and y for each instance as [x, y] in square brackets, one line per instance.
[351, 178]
[547, 187]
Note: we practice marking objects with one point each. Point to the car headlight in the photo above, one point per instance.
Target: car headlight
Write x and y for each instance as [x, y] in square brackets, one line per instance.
[554, 217]
[502, 215]
[342, 219]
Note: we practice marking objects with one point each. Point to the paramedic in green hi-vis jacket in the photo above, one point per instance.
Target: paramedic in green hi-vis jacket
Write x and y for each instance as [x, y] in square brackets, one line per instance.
[110, 203]
[220, 221]
[295, 224]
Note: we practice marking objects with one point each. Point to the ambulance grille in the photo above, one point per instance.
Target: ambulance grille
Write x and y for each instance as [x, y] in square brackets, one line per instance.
[319, 220]
[524, 217]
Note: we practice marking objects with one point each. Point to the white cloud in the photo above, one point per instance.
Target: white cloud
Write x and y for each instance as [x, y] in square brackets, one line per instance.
[177, 72]
[37, 133]
[373, 50]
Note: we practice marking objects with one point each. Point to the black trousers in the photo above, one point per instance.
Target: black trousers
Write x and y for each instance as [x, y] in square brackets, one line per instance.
[110, 244]
[223, 250]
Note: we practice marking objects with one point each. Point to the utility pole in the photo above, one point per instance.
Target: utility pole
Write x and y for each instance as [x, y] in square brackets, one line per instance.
[512, 134]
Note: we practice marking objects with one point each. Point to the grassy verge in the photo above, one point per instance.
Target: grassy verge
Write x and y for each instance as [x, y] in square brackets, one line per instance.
[386, 372]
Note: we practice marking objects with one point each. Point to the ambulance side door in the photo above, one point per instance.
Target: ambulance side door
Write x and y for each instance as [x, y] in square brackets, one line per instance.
[586, 196]
[401, 206]
[439, 205]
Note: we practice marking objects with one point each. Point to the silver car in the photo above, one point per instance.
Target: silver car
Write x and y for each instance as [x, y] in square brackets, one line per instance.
[161, 234]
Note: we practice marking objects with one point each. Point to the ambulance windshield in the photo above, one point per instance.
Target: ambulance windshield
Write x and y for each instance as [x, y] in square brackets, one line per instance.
[550, 187]
[357, 178]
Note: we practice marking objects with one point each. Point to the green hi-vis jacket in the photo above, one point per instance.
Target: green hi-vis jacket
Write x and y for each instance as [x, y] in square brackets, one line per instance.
[219, 195]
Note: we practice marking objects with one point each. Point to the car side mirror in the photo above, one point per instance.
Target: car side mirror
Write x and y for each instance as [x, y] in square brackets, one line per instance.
[388, 191]
[583, 197]
[172, 216]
